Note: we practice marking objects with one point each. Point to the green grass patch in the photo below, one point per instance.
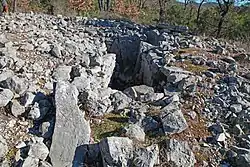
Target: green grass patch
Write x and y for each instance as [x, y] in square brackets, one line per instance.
[111, 125]
[152, 138]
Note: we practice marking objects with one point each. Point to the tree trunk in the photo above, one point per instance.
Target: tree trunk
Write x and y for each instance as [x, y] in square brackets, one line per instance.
[198, 13]
[223, 9]
[190, 14]
[185, 4]
[162, 12]
[108, 4]
[219, 27]
[14, 6]
[141, 4]
[100, 4]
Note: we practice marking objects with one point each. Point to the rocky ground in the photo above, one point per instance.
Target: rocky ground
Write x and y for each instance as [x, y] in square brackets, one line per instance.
[88, 92]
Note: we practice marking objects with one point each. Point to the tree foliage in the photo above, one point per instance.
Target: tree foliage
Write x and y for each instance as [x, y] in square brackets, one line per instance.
[81, 5]
[129, 9]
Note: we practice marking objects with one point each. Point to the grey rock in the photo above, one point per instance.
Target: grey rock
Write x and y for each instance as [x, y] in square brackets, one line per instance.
[83, 60]
[175, 77]
[108, 68]
[243, 156]
[40, 109]
[120, 101]
[44, 47]
[97, 101]
[46, 129]
[44, 164]
[238, 130]
[134, 131]
[147, 64]
[137, 92]
[6, 62]
[71, 129]
[56, 51]
[179, 153]
[232, 67]
[221, 137]
[149, 124]
[62, 73]
[71, 47]
[243, 160]
[30, 162]
[18, 64]
[192, 114]
[172, 119]
[137, 113]
[229, 60]
[82, 83]
[75, 71]
[6, 74]
[220, 50]
[96, 60]
[244, 142]
[5, 97]
[3, 40]
[173, 70]
[5, 163]
[153, 37]
[21, 145]
[173, 98]
[15, 84]
[17, 109]
[116, 151]
[3, 147]
[220, 101]
[152, 97]
[241, 57]
[146, 157]
[39, 150]
[28, 99]
[236, 108]
[210, 74]
[27, 47]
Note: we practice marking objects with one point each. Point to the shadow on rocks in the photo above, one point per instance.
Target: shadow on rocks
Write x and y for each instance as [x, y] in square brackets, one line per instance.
[44, 125]
[87, 156]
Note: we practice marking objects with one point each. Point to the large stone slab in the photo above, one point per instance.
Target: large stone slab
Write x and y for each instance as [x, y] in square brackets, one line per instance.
[146, 157]
[3, 147]
[5, 97]
[173, 120]
[179, 153]
[116, 151]
[71, 129]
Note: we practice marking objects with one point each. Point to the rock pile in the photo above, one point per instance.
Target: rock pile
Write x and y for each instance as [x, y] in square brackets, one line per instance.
[92, 92]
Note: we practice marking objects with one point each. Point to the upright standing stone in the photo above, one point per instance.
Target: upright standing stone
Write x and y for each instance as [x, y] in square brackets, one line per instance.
[71, 129]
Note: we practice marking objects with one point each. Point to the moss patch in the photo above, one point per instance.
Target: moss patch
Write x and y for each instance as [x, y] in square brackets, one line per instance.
[195, 68]
[189, 66]
[189, 50]
[110, 125]
[10, 156]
